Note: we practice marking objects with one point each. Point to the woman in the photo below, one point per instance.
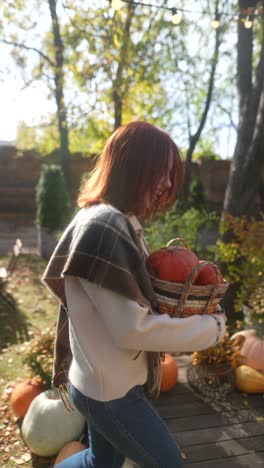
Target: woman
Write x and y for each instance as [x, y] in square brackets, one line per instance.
[109, 309]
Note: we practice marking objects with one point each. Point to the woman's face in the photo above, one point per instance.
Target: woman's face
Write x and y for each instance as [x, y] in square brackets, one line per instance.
[163, 186]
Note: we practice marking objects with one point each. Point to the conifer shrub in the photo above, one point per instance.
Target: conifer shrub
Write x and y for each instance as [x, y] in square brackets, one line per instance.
[53, 204]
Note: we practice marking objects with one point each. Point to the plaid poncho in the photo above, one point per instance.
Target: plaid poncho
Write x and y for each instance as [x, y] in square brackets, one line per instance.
[101, 246]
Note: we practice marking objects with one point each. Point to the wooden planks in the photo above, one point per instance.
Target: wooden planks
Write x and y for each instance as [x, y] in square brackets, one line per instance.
[225, 449]
[247, 460]
[217, 434]
[211, 434]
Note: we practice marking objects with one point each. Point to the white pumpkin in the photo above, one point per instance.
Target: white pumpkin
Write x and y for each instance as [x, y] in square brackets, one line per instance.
[252, 351]
[48, 426]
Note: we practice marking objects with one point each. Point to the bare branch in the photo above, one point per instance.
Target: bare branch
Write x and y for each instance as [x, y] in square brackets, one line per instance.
[23, 46]
[229, 114]
[195, 137]
[83, 31]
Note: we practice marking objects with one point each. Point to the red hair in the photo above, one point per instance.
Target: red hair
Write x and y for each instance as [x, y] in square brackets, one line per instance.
[134, 159]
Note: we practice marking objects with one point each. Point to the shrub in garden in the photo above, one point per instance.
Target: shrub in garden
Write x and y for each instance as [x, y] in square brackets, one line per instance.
[243, 257]
[53, 207]
[244, 260]
[186, 225]
[52, 198]
[38, 355]
[197, 197]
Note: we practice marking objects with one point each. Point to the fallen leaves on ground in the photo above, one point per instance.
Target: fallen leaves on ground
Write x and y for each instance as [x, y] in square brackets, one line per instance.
[12, 446]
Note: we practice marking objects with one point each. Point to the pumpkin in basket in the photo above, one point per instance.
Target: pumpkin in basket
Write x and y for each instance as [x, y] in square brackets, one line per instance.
[207, 275]
[172, 263]
[169, 373]
[173, 272]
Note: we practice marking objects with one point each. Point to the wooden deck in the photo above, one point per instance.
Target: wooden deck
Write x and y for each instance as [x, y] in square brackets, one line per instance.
[229, 434]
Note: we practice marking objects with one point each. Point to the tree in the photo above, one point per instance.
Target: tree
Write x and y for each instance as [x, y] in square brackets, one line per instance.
[115, 62]
[245, 181]
[127, 65]
[51, 61]
[58, 70]
[246, 175]
[195, 135]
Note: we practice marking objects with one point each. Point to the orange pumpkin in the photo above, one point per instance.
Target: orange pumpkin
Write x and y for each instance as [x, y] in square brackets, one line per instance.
[169, 373]
[249, 380]
[207, 275]
[23, 394]
[252, 351]
[172, 263]
[69, 449]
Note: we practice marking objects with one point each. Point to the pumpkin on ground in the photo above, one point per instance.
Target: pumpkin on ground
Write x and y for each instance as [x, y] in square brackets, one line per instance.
[249, 380]
[252, 351]
[169, 373]
[48, 426]
[23, 394]
[172, 263]
[69, 449]
[207, 275]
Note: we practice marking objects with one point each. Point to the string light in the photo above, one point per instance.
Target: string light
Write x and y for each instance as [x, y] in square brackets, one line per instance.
[176, 16]
[117, 4]
[216, 22]
[249, 22]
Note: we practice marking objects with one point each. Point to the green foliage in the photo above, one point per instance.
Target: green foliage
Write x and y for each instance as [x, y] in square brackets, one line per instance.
[206, 155]
[176, 224]
[243, 257]
[149, 66]
[205, 147]
[197, 198]
[26, 137]
[53, 207]
[256, 310]
[90, 136]
[110, 58]
[44, 138]
[38, 355]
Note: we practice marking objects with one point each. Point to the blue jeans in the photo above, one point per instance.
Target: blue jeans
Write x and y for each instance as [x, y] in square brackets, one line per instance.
[124, 427]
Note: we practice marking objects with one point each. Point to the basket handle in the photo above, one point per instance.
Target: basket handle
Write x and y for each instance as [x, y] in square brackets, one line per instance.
[189, 282]
[198, 267]
[169, 244]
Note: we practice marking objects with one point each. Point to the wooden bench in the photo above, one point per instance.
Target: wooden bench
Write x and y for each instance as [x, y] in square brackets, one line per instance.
[6, 272]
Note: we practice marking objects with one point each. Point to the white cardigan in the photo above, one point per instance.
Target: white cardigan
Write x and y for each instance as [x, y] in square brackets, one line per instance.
[107, 330]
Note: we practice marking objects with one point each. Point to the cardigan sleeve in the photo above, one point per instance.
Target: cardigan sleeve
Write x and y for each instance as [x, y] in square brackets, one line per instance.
[133, 327]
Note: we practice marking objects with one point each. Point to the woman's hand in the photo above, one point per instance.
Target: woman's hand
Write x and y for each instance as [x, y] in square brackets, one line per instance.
[219, 311]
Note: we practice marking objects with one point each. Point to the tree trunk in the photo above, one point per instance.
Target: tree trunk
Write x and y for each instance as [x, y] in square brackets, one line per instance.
[59, 95]
[195, 138]
[118, 85]
[243, 193]
[117, 109]
[246, 172]
[46, 242]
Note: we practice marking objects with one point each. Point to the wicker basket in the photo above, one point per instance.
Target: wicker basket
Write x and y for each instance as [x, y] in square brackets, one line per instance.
[184, 300]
